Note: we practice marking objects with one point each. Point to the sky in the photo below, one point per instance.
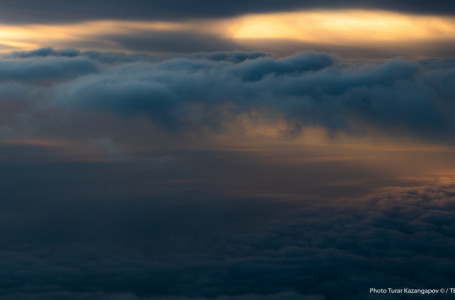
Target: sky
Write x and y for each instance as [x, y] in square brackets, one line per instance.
[236, 150]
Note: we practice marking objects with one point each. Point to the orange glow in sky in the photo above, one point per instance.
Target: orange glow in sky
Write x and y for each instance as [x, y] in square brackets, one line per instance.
[65, 35]
[335, 27]
[340, 27]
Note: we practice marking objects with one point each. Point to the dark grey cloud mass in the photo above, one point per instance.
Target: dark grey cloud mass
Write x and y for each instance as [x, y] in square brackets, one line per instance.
[285, 47]
[203, 91]
[109, 188]
[50, 69]
[88, 231]
[200, 91]
[208, 91]
[48, 11]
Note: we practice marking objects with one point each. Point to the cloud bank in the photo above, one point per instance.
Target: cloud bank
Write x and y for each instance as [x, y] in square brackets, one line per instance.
[94, 243]
[114, 184]
[208, 91]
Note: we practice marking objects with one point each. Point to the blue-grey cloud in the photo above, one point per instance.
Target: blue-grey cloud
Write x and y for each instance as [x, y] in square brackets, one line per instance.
[109, 190]
[195, 92]
[309, 89]
[46, 69]
[104, 231]
[412, 49]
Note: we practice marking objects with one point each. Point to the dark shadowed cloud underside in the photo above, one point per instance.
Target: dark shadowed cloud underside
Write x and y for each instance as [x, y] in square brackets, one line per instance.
[202, 91]
[48, 11]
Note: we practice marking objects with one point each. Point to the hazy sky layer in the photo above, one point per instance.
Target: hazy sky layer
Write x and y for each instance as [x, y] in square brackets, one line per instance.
[239, 150]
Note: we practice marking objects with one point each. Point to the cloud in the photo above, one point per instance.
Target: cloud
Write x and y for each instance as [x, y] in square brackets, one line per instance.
[210, 90]
[309, 89]
[45, 52]
[257, 70]
[113, 185]
[173, 42]
[47, 11]
[367, 51]
[101, 231]
[47, 69]
[127, 296]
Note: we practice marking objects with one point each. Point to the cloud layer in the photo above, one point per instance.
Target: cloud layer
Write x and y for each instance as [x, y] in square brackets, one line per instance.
[97, 240]
[47, 11]
[196, 92]
[116, 182]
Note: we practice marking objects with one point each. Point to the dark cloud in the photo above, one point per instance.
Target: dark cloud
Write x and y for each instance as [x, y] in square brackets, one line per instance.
[45, 52]
[411, 49]
[257, 70]
[47, 11]
[233, 57]
[107, 231]
[192, 93]
[111, 189]
[47, 69]
[309, 89]
[127, 296]
[120, 57]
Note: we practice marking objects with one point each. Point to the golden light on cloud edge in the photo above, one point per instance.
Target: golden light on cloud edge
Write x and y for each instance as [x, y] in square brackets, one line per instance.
[344, 26]
[30, 37]
[336, 27]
